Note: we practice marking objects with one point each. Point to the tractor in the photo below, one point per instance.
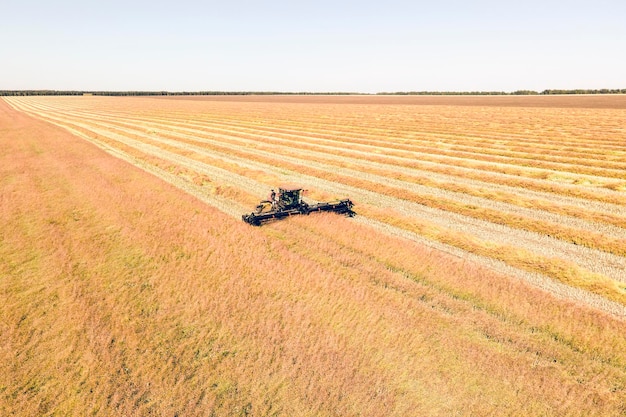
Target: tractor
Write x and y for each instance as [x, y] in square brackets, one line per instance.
[288, 202]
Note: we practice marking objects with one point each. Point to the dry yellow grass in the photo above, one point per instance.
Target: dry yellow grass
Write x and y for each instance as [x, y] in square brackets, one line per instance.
[121, 295]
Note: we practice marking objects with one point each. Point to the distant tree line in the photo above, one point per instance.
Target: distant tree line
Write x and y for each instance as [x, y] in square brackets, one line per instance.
[39, 93]
[447, 93]
[504, 93]
[243, 93]
[602, 91]
[157, 93]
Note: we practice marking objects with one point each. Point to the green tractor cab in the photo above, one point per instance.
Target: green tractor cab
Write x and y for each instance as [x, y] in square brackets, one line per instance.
[288, 202]
[289, 198]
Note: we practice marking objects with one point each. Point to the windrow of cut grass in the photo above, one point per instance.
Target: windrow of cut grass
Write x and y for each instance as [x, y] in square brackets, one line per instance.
[539, 182]
[121, 295]
[484, 142]
[424, 162]
[468, 147]
[443, 154]
[433, 137]
[532, 126]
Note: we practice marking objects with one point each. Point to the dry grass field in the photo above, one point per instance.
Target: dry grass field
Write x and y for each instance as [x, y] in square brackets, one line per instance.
[483, 274]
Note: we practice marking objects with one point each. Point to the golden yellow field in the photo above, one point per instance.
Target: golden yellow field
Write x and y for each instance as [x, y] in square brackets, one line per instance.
[483, 274]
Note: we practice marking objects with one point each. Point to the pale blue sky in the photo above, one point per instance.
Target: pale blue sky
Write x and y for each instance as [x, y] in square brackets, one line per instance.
[357, 46]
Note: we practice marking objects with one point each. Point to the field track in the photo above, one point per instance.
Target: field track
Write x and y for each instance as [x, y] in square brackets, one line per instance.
[488, 182]
[123, 295]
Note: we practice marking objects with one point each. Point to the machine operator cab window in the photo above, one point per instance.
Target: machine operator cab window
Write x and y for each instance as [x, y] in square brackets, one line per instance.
[289, 197]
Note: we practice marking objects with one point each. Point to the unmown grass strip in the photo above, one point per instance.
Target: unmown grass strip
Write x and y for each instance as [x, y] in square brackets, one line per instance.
[487, 332]
[206, 159]
[201, 184]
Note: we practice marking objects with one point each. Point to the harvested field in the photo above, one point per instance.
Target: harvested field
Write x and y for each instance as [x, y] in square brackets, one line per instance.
[484, 273]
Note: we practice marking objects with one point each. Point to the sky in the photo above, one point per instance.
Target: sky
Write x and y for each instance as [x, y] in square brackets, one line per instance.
[313, 46]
